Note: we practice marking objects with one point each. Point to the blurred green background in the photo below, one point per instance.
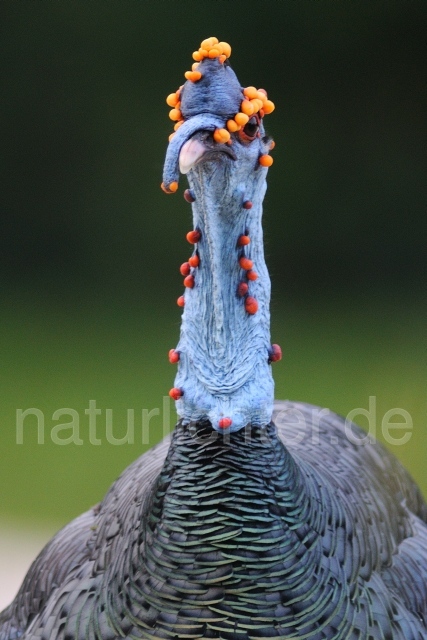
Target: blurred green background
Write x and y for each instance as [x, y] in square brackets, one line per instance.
[90, 246]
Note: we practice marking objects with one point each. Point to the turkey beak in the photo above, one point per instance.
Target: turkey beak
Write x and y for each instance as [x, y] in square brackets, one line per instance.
[200, 122]
[199, 148]
[190, 154]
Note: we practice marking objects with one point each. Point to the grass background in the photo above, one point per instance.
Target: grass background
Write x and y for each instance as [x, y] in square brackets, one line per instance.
[89, 245]
[335, 355]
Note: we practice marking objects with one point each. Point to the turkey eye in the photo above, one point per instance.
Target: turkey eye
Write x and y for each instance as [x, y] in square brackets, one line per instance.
[251, 127]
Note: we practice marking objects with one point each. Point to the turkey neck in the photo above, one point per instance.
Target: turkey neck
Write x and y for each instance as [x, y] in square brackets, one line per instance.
[223, 327]
[224, 348]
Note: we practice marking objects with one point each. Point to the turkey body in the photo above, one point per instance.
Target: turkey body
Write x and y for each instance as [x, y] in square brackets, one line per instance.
[261, 533]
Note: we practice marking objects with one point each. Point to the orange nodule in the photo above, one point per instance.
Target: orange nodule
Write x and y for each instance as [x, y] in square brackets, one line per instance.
[173, 356]
[243, 241]
[222, 58]
[181, 301]
[194, 261]
[275, 353]
[193, 76]
[224, 423]
[184, 269]
[171, 136]
[214, 53]
[207, 43]
[272, 144]
[177, 125]
[252, 275]
[189, 282]
[250, 92]
[176, 393]
[245, 263]
[268, 106]
[242, 289]
[197, 56]
[241, 119]
[172, 99]
[226, 49]
[263, 91]
[265, 160]
[257, 104]
[193, 236]
[175, 114]
[232, 126]
[247, 107]
[194, 66]
[171, 188]
[251, 305]
[221, 136]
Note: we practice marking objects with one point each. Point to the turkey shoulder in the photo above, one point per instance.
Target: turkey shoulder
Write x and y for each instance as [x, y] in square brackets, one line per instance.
[80, 545]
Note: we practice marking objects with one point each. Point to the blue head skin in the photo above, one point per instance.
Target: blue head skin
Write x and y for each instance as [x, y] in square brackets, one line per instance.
[206, 105]
[224, 371]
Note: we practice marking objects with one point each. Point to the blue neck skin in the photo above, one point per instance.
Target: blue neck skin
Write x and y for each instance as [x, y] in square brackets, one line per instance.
[224, 369]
